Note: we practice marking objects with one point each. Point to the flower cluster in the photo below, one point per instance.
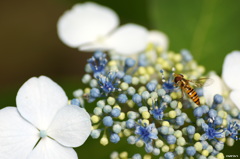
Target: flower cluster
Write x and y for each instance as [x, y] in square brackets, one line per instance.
[137, 100]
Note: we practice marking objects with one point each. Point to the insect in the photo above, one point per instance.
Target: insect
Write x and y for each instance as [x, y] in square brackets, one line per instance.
[185, 86]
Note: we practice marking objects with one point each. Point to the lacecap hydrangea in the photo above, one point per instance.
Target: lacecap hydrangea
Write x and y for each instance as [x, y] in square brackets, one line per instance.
[136, 100]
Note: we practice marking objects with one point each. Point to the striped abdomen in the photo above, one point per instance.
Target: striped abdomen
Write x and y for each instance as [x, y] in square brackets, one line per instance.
[192, 94]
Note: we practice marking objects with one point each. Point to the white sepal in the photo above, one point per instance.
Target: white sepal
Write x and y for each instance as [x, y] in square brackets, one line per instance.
[86, 23]
[231, 70]
[17, 136]
[39, 99]
[71, 126]
[50, 149]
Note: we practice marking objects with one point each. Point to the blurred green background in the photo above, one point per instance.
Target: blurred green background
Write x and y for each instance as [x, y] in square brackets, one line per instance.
[29, 45]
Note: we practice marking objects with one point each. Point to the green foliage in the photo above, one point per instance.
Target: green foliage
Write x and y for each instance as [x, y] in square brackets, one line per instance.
[209, 29]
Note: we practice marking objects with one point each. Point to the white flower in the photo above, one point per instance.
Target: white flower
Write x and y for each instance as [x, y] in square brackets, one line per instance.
[89, 27]
[230, 80]
[42, 114]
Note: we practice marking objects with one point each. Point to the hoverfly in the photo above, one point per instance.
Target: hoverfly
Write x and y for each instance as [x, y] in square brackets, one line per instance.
[185, 86]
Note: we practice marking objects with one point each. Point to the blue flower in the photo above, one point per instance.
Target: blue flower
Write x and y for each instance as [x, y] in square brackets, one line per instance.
[169, 85]
[146, 133]
[157, 112]
[98, 63]
[108, 83]
[232, 130]
[211, 132]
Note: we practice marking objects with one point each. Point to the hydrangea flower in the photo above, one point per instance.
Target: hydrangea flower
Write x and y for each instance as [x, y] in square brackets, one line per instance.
[230, 80]
[232, 130]
[98, 63]
[109, 83]
[211, 132]
[146, 133]
[42, 126]
[90, 27]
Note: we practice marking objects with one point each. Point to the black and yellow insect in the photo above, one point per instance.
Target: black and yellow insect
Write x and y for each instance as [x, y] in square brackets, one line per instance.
[185, 86]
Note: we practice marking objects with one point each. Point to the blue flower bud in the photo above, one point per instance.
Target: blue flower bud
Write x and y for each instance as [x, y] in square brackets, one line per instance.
[219, 146]
[130, 123]
[142, 60]
[163, 130]
[215, 152]
[114, 138]
[218, 120]
[75, 101]
[115, 112]
[218, 99]
[127, 79]
[120, 74]
[174, 104]
[156, 151]
[107, 109]
[179, 150]
[186, 55]
[161, 92]
[151, 86]
[198, 112]
[137, 98]
[117, 128]
[148, 148]
[167, 99]
[122, 98]
[97, 111]
[100, 103]
[131, 91]
[98, 54]
[137, 156]
[205, 109]
[95, 93]
[190, 151]
[131, 140]
[169, 155]
[171, 139]
[179, 120]
[129, 62]
[212, 113]
[199, 92]
[204, 144]
[191, 130]
[95, 133]
[145, 95]
[108, 121]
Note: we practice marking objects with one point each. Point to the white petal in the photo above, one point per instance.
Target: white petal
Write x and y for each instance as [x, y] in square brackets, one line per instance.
[231, 70]
[50, 149]
[86, 22]
[215, 88]
[91, 47]
[71, 126]
[235, 95]
[17, 136]
[128, 39]
[39, 99]
[159, 39]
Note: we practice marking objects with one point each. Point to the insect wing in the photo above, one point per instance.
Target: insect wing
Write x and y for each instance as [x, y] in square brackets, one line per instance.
[201, 82]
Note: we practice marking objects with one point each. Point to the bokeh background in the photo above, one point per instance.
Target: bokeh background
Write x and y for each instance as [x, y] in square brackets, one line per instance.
[29, 45]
